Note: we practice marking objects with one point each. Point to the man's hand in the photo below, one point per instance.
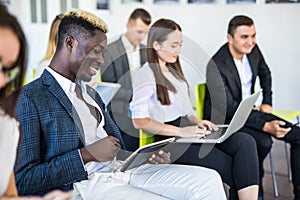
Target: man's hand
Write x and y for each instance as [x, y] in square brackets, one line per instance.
[266, 108]
[101, 151]
[58, 195]
[160, 158]
[275, 129]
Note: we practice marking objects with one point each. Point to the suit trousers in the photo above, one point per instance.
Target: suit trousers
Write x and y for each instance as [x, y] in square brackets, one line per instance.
[264, 142]
[157, 182]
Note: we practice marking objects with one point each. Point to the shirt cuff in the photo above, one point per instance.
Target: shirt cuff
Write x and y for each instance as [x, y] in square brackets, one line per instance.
[82, 160]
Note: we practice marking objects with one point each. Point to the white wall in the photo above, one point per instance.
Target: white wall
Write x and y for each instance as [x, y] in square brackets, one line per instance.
[277, 25]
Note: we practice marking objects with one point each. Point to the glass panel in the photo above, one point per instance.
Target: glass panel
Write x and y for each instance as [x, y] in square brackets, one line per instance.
[102, 4]
[33, 11]
[63, 6]
[44, 10]
[6, 2]
[132, 1]
[74, 3]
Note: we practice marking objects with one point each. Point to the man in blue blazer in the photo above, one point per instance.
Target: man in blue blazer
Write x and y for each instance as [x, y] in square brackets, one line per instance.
[69, 139]
[123, 56]
[231, 76]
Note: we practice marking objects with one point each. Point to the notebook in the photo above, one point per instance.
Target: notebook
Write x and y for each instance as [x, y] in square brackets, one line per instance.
[225, 131]
[142, 155]
[106, 90]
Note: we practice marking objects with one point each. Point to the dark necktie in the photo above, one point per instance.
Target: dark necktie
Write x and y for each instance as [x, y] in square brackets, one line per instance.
[93, 110]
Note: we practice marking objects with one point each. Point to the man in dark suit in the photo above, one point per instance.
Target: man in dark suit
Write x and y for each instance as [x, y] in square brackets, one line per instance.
[231, 76]
[123, 56]
[68, 137]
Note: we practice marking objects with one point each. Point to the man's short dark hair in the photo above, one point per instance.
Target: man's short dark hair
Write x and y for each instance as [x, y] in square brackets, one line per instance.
[141, 14]
[239, 20]
[80, 25]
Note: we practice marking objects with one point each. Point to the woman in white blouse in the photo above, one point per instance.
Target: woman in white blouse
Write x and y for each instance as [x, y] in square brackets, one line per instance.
[161, 105]
[13, 61]
[12, 68]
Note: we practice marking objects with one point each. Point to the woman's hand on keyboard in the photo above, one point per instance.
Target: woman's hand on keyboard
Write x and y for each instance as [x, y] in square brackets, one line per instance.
[205, 124]
[192, 131]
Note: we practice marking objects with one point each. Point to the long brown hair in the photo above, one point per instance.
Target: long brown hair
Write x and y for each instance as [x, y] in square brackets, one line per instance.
[159, 32]
[9, 21]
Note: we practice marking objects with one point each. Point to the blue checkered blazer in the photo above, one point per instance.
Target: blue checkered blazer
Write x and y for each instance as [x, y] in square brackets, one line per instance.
[48, 156]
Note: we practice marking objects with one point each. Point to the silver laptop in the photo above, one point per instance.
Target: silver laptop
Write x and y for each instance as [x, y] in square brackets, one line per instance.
[225, 131]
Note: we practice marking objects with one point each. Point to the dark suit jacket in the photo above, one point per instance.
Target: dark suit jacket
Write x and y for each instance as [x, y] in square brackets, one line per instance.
[48, 156]
[224, 86]
[116, 70]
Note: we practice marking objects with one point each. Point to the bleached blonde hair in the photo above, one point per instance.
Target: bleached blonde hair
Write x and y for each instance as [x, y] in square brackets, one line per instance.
[80, 24]
[89, 17]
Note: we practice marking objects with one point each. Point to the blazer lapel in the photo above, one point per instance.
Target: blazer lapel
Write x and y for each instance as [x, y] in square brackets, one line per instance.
[124, 71]
[122, 52]
[110, 127]
[55, 89]
[143, 52]
[232, 70]
[254, 67]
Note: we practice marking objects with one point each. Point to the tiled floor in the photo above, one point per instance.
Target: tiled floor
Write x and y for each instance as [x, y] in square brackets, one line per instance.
[283, 184]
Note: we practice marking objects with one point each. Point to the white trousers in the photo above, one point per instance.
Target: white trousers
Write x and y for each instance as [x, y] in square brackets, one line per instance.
[154, 182]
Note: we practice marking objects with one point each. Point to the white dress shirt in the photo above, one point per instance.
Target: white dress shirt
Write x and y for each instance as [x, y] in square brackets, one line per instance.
[92, 133]
[245, 73]
[146, 105]
[133, 56]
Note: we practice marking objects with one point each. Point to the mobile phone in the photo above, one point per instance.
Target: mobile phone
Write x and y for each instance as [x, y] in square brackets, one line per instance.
[287, 125]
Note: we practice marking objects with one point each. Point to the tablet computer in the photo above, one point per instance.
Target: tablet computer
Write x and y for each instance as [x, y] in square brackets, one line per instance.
[141, 155]
[106, 90]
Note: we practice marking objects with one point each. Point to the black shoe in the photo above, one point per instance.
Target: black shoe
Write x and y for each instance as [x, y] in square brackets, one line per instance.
[260, 196]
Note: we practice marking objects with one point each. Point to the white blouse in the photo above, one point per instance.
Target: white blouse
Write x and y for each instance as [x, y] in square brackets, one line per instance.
[9, 137]
[145, 103]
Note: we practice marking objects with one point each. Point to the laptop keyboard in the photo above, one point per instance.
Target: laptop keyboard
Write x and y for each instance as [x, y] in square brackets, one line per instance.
[216, 134]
